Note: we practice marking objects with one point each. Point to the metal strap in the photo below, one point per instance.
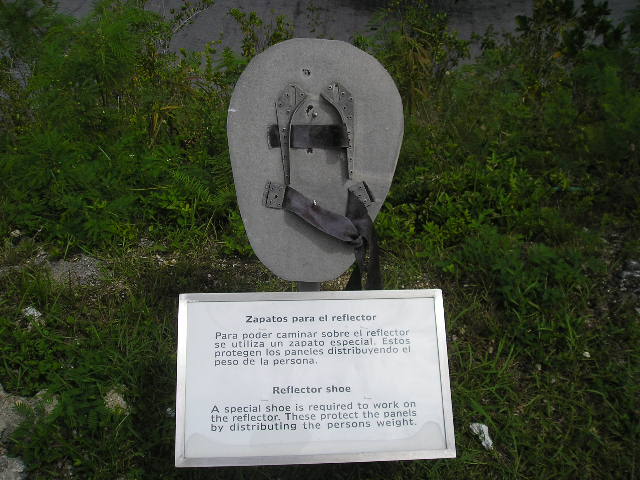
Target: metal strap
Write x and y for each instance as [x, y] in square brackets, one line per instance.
[342, 100]
[287, 104]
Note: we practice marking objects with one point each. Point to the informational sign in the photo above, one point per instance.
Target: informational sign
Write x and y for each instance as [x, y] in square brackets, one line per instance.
[315, 377]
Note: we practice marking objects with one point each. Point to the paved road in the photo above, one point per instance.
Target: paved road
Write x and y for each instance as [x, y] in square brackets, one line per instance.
[338, 19]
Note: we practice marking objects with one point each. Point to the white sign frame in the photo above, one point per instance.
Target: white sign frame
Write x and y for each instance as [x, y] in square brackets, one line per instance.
[449, 451]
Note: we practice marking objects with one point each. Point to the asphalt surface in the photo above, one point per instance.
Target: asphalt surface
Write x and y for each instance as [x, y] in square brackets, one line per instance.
[334, 19]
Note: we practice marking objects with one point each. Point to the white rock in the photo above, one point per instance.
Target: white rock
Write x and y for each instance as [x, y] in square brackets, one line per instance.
[115, 402]
[11, 468]
[482, 432]
[9, 416]
[31, 312]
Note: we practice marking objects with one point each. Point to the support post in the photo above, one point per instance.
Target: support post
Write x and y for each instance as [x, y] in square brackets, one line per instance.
[308, 286]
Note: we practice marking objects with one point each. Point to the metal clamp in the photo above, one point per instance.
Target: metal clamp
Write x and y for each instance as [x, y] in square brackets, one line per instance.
[287, 104]
[273, 196]
[361, 191]
[342, 100]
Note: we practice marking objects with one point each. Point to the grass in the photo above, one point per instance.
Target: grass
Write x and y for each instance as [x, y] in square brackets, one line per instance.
[556, 413]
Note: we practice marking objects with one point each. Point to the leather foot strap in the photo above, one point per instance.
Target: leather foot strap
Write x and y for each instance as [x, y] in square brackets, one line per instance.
[357, 213]
[355, 228]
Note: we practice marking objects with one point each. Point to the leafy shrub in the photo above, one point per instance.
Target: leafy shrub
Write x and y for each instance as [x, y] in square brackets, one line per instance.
[523, 140]
[117, 137]
[415, 45]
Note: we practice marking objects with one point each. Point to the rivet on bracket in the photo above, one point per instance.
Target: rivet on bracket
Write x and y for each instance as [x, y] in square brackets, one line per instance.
[361, 191]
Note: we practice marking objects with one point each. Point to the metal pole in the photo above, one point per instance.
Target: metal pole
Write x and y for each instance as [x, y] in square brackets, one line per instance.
[308, 286]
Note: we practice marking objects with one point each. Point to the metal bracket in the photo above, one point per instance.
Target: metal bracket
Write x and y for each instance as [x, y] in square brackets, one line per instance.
[288, 102]
[342, 100]
[273, 196]
[361, 191]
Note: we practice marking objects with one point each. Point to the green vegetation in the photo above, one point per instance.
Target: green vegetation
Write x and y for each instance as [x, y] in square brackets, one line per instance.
[516, 193]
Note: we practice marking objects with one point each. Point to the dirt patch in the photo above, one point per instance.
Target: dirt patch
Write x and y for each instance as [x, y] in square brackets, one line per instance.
[80, 269]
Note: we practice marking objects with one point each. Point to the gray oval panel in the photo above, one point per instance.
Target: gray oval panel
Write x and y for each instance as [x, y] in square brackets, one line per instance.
[288, 246]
